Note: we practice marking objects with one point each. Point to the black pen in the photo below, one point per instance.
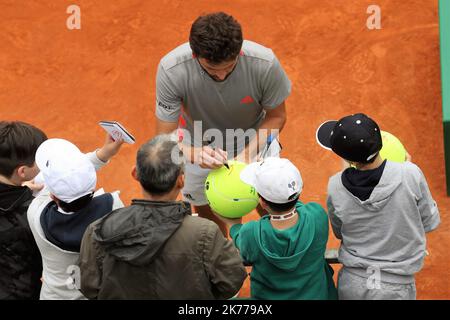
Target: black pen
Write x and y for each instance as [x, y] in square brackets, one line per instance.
[267, 146]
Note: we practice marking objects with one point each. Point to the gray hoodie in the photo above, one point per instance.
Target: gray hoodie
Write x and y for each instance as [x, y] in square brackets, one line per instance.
[387, 231]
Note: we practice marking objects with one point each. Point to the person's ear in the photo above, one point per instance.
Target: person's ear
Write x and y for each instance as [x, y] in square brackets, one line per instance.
[21, 172]
[26, 173]
[134, 173]
[180, 181]
[263, 203]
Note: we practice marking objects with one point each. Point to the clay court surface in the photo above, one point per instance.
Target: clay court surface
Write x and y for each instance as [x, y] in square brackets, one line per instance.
[66, 81]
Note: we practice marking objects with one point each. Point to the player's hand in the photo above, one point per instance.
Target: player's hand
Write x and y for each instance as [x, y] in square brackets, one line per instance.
[35, 187]
[109, 149]
[209, 158]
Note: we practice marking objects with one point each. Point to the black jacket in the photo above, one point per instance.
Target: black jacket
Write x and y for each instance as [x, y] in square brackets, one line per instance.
[20, 260]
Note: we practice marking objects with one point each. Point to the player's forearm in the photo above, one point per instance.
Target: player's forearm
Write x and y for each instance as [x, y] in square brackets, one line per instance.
[271, 126]
[163, 127]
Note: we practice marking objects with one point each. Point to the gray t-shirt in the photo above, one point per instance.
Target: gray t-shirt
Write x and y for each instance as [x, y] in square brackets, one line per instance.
[258, 82]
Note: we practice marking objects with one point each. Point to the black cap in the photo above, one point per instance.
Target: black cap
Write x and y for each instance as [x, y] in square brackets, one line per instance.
[355, 138]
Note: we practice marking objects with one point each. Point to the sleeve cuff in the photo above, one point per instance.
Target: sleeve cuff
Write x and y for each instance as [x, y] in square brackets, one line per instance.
[174, 117]
[98, 164]
[433, 224]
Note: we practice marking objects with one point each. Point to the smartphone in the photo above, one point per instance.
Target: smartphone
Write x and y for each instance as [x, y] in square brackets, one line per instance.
[117, 131]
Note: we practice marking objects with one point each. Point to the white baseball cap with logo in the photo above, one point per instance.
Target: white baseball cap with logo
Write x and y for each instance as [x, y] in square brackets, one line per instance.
[67, 172]
[275, 179]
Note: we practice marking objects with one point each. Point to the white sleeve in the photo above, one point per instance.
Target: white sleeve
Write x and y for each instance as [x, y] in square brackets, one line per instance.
[98, 164]
[117, 202]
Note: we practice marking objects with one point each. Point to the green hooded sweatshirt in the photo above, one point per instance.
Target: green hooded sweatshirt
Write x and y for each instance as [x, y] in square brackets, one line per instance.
[288, 264]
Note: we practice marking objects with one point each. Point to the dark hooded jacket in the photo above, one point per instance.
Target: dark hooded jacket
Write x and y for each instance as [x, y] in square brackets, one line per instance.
[157, 250]
[20, 260]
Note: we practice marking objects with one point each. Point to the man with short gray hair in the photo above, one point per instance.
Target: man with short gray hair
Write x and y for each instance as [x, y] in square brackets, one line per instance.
[155, 249]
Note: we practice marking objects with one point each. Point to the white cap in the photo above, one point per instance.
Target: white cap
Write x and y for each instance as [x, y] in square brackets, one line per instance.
[68, 174]
[275, 179]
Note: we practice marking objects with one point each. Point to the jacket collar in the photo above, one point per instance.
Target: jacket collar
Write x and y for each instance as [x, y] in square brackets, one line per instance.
[161, 203]
[12, 197]
[136, 233]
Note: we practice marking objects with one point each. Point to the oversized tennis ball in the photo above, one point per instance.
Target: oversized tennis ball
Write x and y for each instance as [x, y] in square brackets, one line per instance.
[393, 149]
[227, 194]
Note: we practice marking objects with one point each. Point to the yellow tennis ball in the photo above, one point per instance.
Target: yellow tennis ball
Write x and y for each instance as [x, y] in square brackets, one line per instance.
[393, 149]
[227, 194]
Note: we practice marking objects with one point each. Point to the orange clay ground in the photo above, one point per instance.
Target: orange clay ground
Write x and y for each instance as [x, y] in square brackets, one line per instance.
[66, 81]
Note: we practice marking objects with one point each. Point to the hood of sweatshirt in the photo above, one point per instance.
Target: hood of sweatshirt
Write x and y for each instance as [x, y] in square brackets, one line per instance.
[286, 248]
[389, 181]
[12, 197]
[136, 233]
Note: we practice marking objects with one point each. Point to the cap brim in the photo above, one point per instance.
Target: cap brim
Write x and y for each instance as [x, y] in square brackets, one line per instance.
[73, 198]
[248, 174]
[323, 134]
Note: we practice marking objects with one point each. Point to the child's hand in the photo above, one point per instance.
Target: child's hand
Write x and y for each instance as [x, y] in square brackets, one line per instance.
[109, 149]
[35, 187]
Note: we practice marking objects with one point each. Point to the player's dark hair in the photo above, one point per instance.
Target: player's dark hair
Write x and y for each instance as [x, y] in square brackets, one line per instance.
[155, 168]
[216, 37]
[281, 207]
[18, 144]
[77, 204]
